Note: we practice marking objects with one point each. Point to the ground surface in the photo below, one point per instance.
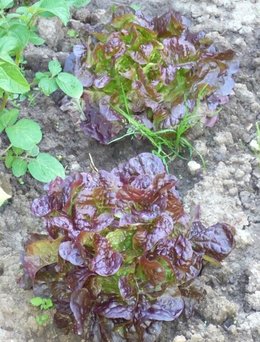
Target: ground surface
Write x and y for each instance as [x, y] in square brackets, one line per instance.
[228, 190]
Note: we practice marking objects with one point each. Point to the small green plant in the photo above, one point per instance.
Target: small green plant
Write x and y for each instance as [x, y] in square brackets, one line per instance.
[55, 79]
[71, 33]
[17, 30]
[42, 304]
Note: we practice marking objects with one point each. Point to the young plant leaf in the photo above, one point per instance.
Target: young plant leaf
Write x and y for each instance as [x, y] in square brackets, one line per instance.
[19, 167]
[78, 3]
[48, 85]
[36, 301]
[58, 8]
[9, 158]
[42, 319]
[11, 78]
[8, 118]
[25, 134]
[4, 4]
[54, 67]
[70, 85]
[45, 168]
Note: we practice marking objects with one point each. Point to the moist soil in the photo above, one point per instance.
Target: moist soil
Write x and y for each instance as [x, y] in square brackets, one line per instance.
[227, 189]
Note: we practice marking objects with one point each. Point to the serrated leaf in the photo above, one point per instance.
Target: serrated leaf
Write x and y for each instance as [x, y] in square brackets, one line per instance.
[45, 168]
[8, 118]
[58, 8]
[19, 167]
[54, 67]
[48, 85]
[24, 134]
[70, 85]
[3, 196]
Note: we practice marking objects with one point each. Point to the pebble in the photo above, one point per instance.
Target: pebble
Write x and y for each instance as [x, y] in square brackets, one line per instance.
[194, 167]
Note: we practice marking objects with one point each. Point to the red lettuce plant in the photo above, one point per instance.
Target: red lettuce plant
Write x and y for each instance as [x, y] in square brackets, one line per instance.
[120, 253]
[153, 69]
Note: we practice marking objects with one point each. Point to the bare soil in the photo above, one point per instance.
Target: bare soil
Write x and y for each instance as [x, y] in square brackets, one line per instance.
[227, 190]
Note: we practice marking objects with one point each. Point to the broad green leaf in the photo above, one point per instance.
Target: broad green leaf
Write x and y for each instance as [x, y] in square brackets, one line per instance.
[78, 3]
[70, 85]
[3, 196]
[7, 44]
[45, 168]
[11, 78]
[9, 158]
[19, 167]
[22, 35]
[58, 8]
[48, 85]
[4, 4]
[54, 67]
[24, 134]
[8, 118]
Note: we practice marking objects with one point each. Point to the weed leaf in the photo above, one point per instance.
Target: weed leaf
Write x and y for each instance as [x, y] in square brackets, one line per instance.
[45, 168]
[24, 134]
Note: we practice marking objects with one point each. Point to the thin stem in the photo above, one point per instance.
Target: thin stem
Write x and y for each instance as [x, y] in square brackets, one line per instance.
[4, 101]
[6, 150]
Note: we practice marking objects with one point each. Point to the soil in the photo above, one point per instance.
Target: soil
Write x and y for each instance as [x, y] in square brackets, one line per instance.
[227, 190]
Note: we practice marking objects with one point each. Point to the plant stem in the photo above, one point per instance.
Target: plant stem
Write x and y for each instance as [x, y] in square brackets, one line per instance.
[4, 101]
[6, 150]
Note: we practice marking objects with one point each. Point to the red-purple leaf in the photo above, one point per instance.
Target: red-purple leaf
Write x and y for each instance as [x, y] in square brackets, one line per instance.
[216, 241]
[106, 261]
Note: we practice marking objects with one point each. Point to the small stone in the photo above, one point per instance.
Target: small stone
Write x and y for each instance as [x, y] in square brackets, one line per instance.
[194, 167]
[239, 174]
[75, 166]
[243, 238]
[233, 191]
[201, 147]
[180, 338]
[197, 338]
[224, 138]
[254, 145]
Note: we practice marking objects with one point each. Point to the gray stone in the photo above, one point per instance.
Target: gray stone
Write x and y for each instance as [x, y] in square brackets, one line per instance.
[51, 31]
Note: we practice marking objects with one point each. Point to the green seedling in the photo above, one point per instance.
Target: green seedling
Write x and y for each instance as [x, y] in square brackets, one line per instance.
[71, 33]
[17, 30]
[23, 153]
[43, 304]
[55, 79]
